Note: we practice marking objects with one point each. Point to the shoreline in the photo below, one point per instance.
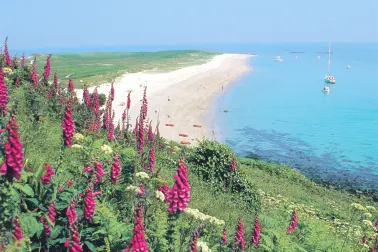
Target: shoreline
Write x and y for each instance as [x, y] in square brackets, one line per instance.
[182, 97]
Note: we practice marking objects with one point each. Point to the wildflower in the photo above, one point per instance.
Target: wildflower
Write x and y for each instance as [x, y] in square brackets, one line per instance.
[46, 72]
[17, 84]
[3, 169]
[69, 183]
[144, 107]
[141, 135]
[89, 203]
[51, 212]
[179, 195]
[159, 195]
[141, 190]
[75, 246]
[106, 149]
[34, 77]
[124, 115]
[132, 188]
[150, 134]
[371, 208]
[23, 60]
[116, 169]
[224, 236]
[165, 190]
[128, 101]
[136, 129]
[376, 224]
[203, 246]
[239, 236]
[367, 223]
[17, 230]
[8, 61]
[293, 223]
[87, 168]
[112, 92]
[68, 126]
[86, 98]
[233, 164]
[46, 226]
[367, 215]
[3, 93]
[13, 149]
[99, 172]
[71, 213]
[77, 137]
[152, 158]
[358, 206]
[70, 85]
[138, 242]
[157, 131]
[61, 189]
[46, 179]
[111, 129]
[106, 115]
[256, 232]
[142, 175]
[194, 240]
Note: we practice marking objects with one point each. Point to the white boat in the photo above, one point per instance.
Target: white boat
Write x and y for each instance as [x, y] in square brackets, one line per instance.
[318, 57]
[348, 67]
[326, 89]
[278, 59]
[329, 78]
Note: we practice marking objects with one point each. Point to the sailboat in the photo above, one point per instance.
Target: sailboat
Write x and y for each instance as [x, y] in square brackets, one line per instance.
[329, 78]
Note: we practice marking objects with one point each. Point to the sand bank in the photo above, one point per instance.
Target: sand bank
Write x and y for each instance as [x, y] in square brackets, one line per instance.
[180, 97]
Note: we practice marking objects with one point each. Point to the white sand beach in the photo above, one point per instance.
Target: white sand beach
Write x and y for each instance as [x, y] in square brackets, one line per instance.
[180, 97]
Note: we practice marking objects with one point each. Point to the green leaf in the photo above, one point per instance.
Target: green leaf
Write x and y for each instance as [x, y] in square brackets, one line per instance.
[25, 189]
[90, 246]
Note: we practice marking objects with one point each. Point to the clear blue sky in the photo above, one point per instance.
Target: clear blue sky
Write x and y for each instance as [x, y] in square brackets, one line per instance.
[67, 23]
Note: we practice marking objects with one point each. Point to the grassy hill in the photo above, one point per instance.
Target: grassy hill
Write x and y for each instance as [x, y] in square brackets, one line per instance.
[66, 172]
[97, 68]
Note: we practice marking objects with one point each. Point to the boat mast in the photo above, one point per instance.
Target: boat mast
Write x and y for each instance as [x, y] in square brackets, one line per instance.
[329, 58]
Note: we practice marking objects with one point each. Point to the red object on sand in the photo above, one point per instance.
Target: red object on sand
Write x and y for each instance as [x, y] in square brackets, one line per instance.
[183, 135]
[197, 126]
[169, 125]
[185, 142]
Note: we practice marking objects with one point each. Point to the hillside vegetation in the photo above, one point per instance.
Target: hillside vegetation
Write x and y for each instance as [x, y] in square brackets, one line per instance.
[98, 68]
[71, 180]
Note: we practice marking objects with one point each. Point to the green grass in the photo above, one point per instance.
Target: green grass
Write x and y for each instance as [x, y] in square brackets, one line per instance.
[96, 68]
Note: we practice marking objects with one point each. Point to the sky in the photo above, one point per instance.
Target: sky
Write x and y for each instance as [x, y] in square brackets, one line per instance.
[75, 23]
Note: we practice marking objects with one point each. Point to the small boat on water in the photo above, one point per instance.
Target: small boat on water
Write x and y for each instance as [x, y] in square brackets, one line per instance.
[330, 79]
[348, 67]
[278, 59]
[326, 89]
[318, 57]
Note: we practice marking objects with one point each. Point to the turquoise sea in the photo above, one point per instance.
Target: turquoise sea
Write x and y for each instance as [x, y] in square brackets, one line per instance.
[279, 113]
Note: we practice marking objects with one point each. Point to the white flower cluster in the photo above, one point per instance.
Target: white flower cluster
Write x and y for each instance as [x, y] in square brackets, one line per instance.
[203, 217]
[371, 208]
[203, 246]
[77, 137]
[77, 146]
[358, 206]
[159, 195]
[142, 175]
[107, 149]
[132, 188]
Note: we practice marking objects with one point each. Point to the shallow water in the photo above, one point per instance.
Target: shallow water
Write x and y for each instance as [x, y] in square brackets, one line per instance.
[279, 113]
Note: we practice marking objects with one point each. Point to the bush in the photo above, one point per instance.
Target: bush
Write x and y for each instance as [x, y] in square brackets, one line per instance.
[212, 161]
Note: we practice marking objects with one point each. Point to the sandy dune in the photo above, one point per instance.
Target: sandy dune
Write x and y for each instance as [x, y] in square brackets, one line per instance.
[180, 97]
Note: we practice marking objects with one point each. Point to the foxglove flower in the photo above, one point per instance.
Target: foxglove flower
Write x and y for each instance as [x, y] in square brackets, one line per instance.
[136, 129]
[70, 85]
[51, 212]
[256, 232]
[89, 203]
[3, 169]
[34, 76]
[116, 169]
[55, 83]
[3, 93]
[293, 223]
[13, 149]
[144, 107]
[165, 190]
[193, 241]
[68, 126]
[124, 115]
[179, 195]
[152, 158]
[99, 172]
[23, 60]
[111, 129]
[46, 226]
[46, 179]
[233, 164]
[112, 92]
[141, 135]
[17, 230]
[47, 69]
[128, 101]
[150, 134]
[86, 98]
[141, 190]
[224, 236]
[71, 213]
[8, 61]
[17, 84]
[75, 243]
[106, 115]
[239, 237]
[138, 241]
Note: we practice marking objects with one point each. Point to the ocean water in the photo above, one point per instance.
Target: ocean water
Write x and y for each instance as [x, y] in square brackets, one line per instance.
[278, 112]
